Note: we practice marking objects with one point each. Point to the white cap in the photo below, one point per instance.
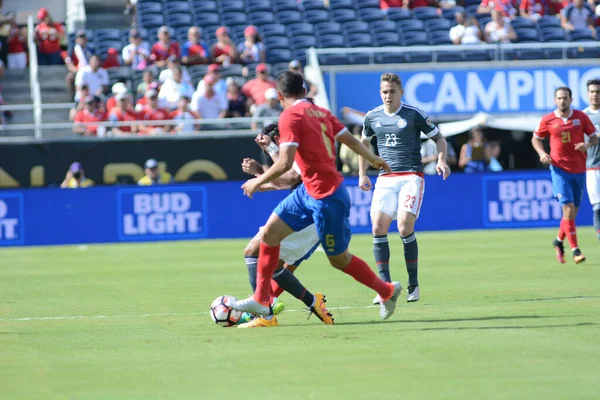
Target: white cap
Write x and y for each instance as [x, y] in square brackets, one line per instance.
[119, 87]
[271, 94]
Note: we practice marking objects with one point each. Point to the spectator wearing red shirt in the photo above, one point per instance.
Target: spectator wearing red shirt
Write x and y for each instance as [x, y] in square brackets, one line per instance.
[412, 4]
[49, 35]
[556, 6]
[17, 47]
[255, 89]
[151, 112]
[506, 7]
[116, 89]
[112, 59]
[186, 116]
[195, 51]
[164, 48]
[533, 9]
[92, 112]
[252, 50]
[224, 52]
[123, 112]
[385, 4]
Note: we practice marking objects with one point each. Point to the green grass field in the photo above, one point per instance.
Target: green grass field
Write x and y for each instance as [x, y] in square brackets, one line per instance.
[499, 318]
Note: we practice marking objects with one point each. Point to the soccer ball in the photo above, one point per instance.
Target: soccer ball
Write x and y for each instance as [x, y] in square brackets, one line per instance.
[222, 314]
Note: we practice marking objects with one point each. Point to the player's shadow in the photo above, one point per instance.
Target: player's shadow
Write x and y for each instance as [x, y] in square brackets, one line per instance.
[551, 299]
[488, 318]
[466, 328]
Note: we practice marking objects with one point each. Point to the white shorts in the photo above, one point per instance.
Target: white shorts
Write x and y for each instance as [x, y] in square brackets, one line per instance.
[394, 194]
[299, 245]
[592, 182]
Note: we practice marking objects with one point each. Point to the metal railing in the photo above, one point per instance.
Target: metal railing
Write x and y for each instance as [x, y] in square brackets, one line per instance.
[43, 106]
[36, 95]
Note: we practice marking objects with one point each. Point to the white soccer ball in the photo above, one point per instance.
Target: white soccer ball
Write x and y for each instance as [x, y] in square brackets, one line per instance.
[222, 314]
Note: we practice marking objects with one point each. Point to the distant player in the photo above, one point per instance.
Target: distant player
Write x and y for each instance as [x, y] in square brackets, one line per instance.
[398, 193]
[566, 128]
[295, 249]
[593, 154]
[307, 135]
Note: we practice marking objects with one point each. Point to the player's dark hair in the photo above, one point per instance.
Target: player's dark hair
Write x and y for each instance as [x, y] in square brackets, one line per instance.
[592, 82]
[566, 89]
[271, 130]
[391, 77]
[291, 84]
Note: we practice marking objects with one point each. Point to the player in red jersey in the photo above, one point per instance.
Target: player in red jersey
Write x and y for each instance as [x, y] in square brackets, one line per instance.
[307, 136]
[566, 128]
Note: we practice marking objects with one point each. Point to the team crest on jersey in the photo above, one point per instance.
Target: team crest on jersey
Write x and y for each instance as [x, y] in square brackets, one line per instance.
[429, 122]
[576, 122]
[402, 123]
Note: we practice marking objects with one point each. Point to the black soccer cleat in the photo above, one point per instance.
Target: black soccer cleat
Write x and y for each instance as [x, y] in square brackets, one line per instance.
[559, 247]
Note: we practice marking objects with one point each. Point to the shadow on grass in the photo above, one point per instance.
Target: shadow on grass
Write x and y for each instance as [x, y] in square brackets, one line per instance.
[552, 299]
[466, 328]
[489, 318]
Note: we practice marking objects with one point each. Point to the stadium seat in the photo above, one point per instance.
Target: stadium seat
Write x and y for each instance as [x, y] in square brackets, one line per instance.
[152, 21]
[300, 55]
[286, 5]
[326, 28]
[234, 18]
[304, 42]
[197, 72]
[107, 34]
[553, 34]
[449, 13]
[598, 33]
[470, 3]
[438, 24]
[367, 4]
[279, 56]
[356, 27]
[411, 25]
[231, 70]
[329, 41]
[180, 19]
[259, 5]
[440, 38]
[527, 35]
[309, 5]
[343, 15]
[449, 56]
[316, 16]
[260, 18]
[359, 40]
[483, 22]
[398, 14]
[171, 7]
[237, 33]
[425, 13]
[149, 8]
[276, 42]
[210, 32]
[290, 17]
[583, 52]
[370, 14]
[341, 4]
[232, 6]
[103, 46]
[383, 26]
[181, 34]
[521, 22]
[580, 35]
[471, 10]
[388, 39]
[416, 39]
[391, 58]
[272, 29]
[530, 54]
[279, 68]
[200, 7]
[548, 21]
[336, 59]
[300, 29]
[207, 19]
[476, 55]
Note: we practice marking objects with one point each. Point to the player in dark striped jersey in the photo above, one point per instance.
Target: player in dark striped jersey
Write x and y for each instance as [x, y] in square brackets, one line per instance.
[398, 194]
[593, 153]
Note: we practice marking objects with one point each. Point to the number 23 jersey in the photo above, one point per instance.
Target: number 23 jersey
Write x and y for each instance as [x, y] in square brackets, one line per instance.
[564, 134]
[399, 135]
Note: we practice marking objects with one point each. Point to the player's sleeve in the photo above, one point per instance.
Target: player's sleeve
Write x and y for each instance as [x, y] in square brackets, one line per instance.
[289, 129]
[541, 131]
[367, 131]
[588, 126]
[338, 127]
[423, 124]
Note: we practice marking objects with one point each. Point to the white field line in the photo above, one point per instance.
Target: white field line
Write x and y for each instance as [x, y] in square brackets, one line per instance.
[143, 315]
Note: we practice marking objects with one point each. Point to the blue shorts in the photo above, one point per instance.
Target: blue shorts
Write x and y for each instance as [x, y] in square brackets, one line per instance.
[567, 187]
[330, 216]
[307, 255]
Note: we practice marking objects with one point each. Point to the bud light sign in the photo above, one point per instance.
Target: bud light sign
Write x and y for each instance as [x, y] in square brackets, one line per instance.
[11, 220]
[172, 213]
[519, 203]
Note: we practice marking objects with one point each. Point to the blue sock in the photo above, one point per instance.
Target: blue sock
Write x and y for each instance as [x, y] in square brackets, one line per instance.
[251, 264]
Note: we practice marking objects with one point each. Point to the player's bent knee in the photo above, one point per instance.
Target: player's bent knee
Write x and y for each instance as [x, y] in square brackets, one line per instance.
[340, 261]
[252, 249]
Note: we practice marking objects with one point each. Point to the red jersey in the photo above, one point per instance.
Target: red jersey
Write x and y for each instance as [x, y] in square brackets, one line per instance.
[564, 134]
[86, 116]
[534, 6]
[506, 7]
[117, 115]
[16, 43]
[160, 52]
[48, 36]
[219, 51]
[385, 4]
[313, 130]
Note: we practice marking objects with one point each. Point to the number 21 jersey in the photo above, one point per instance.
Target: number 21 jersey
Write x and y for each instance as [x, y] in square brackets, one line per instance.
[399, 136]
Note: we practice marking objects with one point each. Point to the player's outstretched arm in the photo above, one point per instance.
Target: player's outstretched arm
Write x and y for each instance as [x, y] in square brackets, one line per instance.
[281, 166]
[356, 146]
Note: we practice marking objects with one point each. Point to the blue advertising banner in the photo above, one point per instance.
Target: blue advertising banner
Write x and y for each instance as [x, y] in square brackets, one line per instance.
[467, 91]
[219, 209]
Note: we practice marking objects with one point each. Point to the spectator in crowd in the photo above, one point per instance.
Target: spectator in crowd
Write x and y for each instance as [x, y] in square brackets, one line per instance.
[220, 86]
[112, 59]
[385, 4]
[167, 73]
[17, 47]
[6, 20]
[80, 102]
[152, 112]
[186, 116]
[466, 31]
[534, 9]
[173, 88]
[255, 89]
[252, 50]
[556, 6]
[91, 112]
[164, 48]
[349, 158]
[473, 155]
[75, 178]
[499, 29]
[412, 4]
[311, 88]
[77, 60]
[211, 104]
[116, 89]
[235, 99]
[95, 77]
[49, 35]
[123, 112]
[506, 7]
[195, 51]
[270, 109]
[223, 52]
[137, 52]
[578, 16]
[493, 152]
[147, 79]
[152, 176]
[429, 156]
[143, 101]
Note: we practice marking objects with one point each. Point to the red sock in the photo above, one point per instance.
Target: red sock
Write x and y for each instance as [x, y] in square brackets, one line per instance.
[359, 270]
[268, 259]
[276, 290]
[571, 232]
[561, 231]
